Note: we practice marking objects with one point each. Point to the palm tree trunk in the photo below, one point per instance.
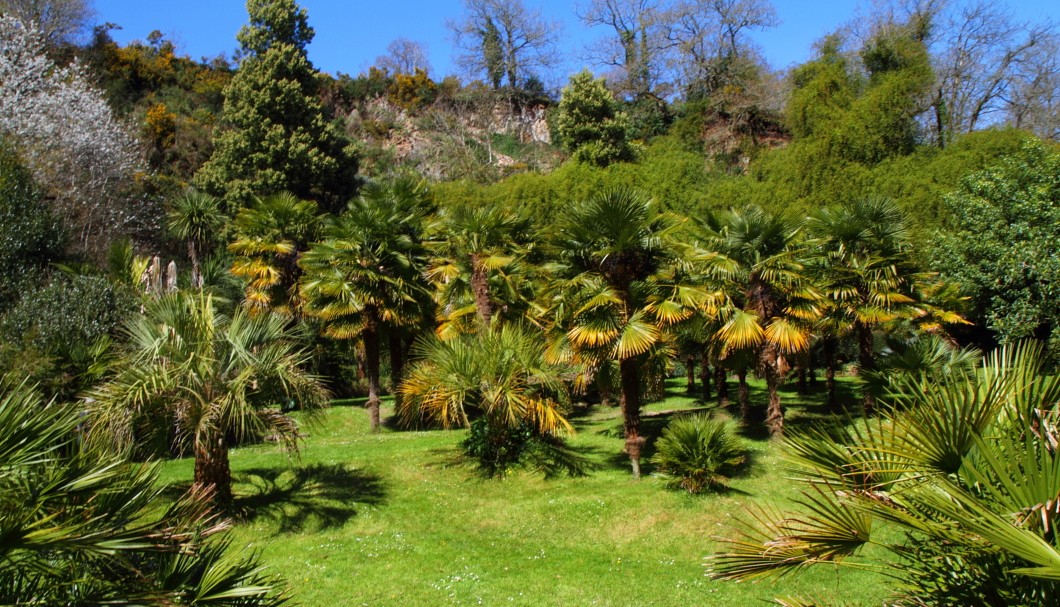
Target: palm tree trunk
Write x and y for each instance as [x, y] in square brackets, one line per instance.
[481, 290]
[196, 270]
[371, 364]
[397, 364]
[770, 369]
[801, 382]
[829, 373]
[212, 471]
[690, 374]
[704, 374]
[629, 369]
[723, 386]
[603, 384]
[744, 396]
[866, 364]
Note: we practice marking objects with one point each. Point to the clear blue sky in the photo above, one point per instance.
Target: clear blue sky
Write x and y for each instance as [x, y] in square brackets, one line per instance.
[350, 34]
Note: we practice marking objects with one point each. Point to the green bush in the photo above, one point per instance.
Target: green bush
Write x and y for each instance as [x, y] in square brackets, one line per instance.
[698, 453]
[499, 449]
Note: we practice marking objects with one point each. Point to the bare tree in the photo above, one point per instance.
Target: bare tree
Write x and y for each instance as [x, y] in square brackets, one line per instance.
[981, 53]
[637, 50]
[989, 68]
[1034, 95]
[404, 56]
[712, 37]
[502, 39]
[56, 21]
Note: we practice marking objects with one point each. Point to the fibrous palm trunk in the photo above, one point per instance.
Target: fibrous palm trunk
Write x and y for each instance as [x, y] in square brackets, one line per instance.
[723, 386]
[690, 374]
[212, 471]
[480, 289]
[371, 364]
[829, 373]
[744, 397]
[769, 362]
[704, 374]
[629, 370]
[866, 364]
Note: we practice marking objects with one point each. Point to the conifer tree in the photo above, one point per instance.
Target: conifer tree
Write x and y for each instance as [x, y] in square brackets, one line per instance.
[590, 124]
[275, 135]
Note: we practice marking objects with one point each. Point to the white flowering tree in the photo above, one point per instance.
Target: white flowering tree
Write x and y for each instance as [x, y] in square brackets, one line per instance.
[70, 139]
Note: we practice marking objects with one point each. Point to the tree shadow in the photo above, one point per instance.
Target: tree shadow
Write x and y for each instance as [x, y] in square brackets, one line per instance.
[314, 497]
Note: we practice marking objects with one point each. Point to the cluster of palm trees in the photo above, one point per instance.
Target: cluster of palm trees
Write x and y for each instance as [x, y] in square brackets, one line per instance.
[607, 294]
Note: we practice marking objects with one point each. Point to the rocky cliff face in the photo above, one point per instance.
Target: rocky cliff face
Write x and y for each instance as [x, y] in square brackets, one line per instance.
[471, 138]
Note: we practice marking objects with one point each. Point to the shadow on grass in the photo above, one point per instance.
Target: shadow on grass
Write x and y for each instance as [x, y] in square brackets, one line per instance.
[314, 497]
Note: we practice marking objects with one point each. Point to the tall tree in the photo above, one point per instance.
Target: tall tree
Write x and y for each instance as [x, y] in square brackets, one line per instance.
[275, 135]
[638, 46]
[712, 39]
[404, 56]
[269, 235]
[66, 133]
[767, 299]
[365, 280]
[617, 293]
[863, 259]
[503, 37]
[216, 376]
[478, 266]
[1001, 246]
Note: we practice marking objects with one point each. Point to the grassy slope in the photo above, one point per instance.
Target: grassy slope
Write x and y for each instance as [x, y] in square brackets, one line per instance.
[395, 519]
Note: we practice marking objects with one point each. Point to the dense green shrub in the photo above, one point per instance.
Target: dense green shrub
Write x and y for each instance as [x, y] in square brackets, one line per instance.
[30, 236]
[698, 453]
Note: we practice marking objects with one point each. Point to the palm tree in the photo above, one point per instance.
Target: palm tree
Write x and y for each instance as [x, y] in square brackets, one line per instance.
[767, 301]
[864, 268]
[365, 280]
[618, 292]
[478, 266]
[269, 236]
[218, 377]
[500, 374]
[197, 219]
[966, 462]
[83, 526]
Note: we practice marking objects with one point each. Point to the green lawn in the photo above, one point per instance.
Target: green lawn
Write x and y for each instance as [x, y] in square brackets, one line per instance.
[396, 520]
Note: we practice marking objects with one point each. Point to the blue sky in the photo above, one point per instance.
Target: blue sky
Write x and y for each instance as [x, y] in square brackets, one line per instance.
[350, 34]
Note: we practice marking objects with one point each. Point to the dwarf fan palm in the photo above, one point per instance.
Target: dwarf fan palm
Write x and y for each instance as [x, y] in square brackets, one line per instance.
[216, 376]
[80, 525]
[968, 464]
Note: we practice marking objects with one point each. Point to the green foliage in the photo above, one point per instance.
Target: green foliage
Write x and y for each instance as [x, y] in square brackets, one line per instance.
[697, 453]
[216, 377]
[501, 375]
[274, 22]
[80, 525]
[966, 464]
[589, 123]
[57, 335]
[30, 236]
[499, 449]
[1001, 245]
[276, 136]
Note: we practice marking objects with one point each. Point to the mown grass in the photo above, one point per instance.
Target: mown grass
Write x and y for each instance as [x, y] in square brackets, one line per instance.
[396, 519]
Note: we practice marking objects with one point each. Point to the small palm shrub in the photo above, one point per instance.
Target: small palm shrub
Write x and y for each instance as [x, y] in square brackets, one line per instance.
[698, 453]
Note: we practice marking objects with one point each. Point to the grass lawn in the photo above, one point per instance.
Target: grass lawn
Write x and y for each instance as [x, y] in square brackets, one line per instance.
[396, 520]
